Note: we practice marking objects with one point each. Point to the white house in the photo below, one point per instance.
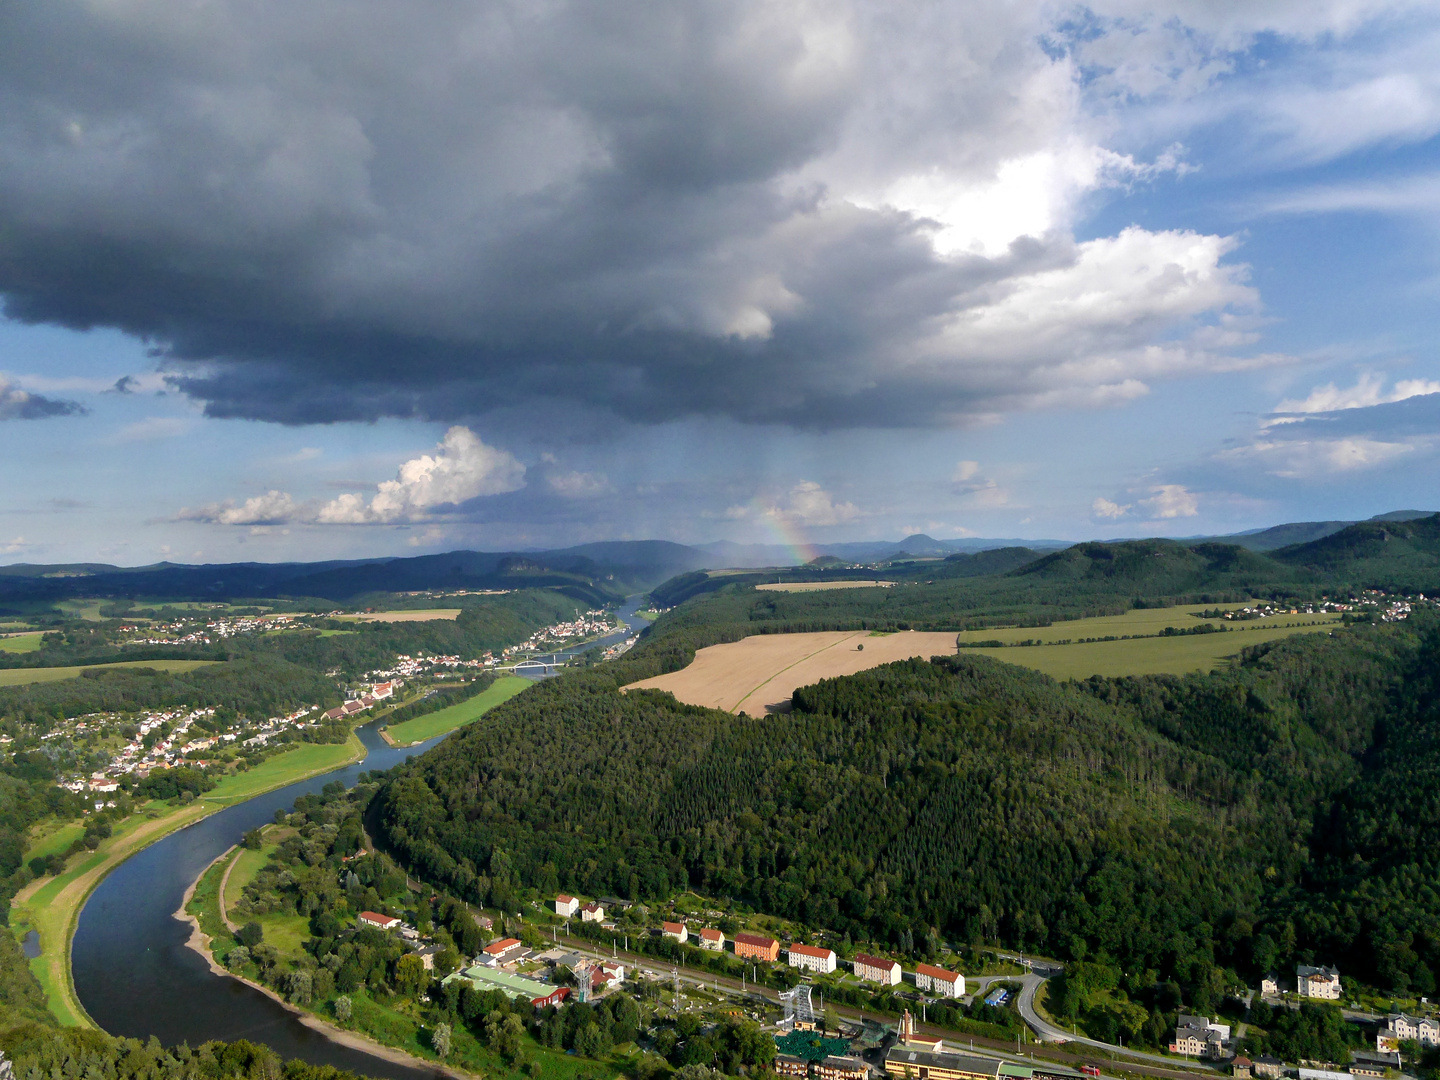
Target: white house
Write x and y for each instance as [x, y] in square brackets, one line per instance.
[877, 969]
[949, 983]
[810, 958]
[712, 939]
[675, 931]
[592, 912]
[1317, 982]
[1401, 1028]
[1270, 986]
[566, 906]
[379, 922]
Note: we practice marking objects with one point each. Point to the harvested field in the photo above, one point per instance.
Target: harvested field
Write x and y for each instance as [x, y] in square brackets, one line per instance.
[758, 675]
[817, 586]
[426, 615]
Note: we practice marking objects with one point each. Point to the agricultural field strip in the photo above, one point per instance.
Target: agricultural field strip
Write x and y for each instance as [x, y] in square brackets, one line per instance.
[1146, 621]
[24, 676]
[768, 667]
[774, 665]
[1141, 656]
[820, 586]
[419, 615]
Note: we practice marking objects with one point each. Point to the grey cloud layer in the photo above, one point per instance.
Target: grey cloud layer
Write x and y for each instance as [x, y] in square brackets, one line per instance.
[341, 211]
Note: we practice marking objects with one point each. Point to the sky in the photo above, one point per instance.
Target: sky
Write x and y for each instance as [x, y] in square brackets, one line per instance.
[370, 278]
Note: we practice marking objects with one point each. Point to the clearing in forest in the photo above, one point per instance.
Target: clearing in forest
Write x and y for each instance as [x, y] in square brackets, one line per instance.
[758, 675]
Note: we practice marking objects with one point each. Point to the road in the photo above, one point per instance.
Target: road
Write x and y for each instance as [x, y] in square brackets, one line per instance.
[1048, 1032]
[1070, 1057]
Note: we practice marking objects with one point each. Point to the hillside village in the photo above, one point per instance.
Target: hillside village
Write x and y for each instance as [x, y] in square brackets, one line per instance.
[550, 968]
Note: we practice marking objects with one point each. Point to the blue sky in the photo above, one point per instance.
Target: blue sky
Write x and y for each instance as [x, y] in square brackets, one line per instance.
[523, 277]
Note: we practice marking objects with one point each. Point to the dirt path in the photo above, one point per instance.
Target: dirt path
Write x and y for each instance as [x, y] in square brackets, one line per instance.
[224, 881]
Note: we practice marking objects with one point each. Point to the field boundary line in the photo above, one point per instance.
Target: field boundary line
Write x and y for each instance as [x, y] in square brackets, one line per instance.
[777, 674]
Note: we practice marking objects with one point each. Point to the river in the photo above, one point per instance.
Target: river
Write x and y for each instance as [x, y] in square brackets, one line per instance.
[133, 971]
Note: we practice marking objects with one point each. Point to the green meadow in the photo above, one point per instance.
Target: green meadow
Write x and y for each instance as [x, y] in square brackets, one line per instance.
[21, 643]
[456, 716]
[1138, 656]
[24, 676]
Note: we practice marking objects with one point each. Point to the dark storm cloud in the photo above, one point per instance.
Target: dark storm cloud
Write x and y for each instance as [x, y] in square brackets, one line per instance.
[332, 212]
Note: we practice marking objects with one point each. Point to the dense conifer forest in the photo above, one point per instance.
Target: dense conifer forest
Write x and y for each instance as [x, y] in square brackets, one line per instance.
[1186, 831]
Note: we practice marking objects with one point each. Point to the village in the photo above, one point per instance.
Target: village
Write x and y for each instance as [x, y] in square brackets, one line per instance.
[813, 1043]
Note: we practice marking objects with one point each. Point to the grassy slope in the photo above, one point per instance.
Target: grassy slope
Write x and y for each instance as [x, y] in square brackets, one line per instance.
[456, 716]
[1139, 656]
[52, 905]
[22, 676]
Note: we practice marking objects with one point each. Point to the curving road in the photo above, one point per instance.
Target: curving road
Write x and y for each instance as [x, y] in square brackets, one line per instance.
[1048, 1032]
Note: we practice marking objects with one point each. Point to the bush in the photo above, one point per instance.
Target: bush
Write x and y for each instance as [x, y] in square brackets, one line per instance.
[440, 1039]
[251, 934]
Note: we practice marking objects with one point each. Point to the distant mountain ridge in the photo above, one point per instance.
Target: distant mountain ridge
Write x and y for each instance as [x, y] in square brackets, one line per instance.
[1401, 546]
[1303, 532]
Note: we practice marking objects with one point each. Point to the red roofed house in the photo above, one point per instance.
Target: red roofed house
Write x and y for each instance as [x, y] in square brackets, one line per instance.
[592, 912]
[877, 969]
[555, 997]
[757, 947]
[379, 922]
[712, 939]
[809, 958]
[676, 930]
[566, 906]
[930, 977]
[498, 952]
[606, 975]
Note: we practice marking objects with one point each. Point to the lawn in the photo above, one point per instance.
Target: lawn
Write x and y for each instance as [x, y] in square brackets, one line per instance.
[52, 905]
[21, 643]
[456, 716]
[51, 836]
[247, 865]
[1139, 656]
[81, 609]
[25, 676]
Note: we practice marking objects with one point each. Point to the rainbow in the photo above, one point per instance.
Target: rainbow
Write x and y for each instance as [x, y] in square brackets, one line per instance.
[786, 533]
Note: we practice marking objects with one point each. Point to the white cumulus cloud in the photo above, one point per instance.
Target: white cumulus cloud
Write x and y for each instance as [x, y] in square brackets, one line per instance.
[1108, 510]
[462, 467]
[1369, 389]
[807, 503]
[1171, 501]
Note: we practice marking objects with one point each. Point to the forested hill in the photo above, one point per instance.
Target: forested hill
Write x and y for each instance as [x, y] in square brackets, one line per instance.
[1390, 554]
[1178, 826]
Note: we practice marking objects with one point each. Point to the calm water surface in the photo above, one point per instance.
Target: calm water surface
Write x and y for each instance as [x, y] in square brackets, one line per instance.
[133, 972]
